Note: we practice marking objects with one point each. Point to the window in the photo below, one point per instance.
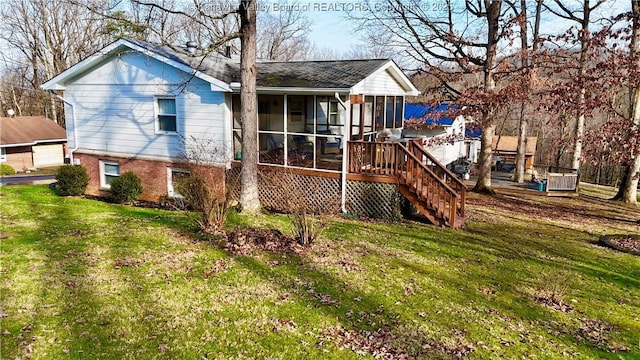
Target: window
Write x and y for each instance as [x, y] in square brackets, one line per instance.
[3, 154]
[167, 115]
[390, 112]
[174, 176]
[237, 127]
[399, 107]
[379, 113]
[108, 171]
[333, 113]
[304, 131]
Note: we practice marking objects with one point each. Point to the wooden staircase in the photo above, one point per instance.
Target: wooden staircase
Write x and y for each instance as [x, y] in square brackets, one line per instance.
[434, 191]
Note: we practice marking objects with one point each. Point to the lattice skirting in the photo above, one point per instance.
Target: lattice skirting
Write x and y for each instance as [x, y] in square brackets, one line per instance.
[285, 191]
[373, 200]
[280, 190]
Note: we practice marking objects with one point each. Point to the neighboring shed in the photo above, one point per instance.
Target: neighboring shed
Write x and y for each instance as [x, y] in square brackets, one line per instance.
[444, 136]
[506, 148]
[29, 142]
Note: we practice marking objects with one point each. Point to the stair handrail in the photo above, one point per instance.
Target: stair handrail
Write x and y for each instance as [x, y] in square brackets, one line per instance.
[441, 182]
[442, 188]
[450, 176]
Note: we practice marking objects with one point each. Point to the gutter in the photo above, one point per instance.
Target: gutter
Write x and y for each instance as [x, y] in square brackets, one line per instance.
[347, 127]
[75, 133]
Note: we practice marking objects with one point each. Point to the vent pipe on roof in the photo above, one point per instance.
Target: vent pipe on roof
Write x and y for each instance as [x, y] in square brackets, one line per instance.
[227, 51]
[192, 46]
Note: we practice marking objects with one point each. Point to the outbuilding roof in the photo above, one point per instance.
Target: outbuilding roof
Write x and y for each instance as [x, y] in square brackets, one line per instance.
[432, 115]
[510, 144]
[29, 130]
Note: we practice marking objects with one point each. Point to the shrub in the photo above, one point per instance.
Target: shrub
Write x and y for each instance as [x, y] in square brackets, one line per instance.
[126, 188]
[72, 180]
[6, 169]
[203, 191]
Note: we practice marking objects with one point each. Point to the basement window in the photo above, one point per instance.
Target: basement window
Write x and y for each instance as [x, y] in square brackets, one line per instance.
[108, 171]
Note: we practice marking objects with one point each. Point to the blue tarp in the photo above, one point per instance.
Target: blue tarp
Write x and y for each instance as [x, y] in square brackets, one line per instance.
[422, 111]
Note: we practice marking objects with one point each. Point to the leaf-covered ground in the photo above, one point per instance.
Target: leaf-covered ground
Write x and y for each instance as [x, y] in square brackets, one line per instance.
[525, 279]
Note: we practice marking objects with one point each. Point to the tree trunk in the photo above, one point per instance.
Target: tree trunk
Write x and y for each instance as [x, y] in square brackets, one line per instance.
[581, 97]
[249, 199]
[524, 123]
[628, 191]
[483, 184]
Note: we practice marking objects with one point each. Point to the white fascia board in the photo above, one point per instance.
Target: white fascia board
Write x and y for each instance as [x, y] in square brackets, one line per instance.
[35, 142]
[17, 145]
[54, 84]
[397, 74]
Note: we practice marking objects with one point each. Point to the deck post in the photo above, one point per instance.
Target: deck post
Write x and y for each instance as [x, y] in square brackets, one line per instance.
[345, 152]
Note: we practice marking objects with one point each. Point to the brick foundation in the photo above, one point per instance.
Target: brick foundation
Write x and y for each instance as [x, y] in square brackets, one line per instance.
[152, 173]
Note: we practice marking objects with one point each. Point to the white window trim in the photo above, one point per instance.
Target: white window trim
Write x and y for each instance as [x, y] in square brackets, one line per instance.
[103, 179]
[171, 192]
[3, 155]
[156, 113]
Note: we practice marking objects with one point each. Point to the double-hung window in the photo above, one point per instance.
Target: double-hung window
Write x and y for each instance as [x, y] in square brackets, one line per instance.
[3, 155]
[167, 115]
[108, 171]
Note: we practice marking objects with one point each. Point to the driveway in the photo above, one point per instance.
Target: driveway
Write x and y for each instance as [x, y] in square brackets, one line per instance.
[27, 179]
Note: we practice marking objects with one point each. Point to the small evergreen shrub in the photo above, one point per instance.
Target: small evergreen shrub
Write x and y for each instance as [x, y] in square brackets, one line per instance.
[72, 180]
[126, 188]
[6, 169]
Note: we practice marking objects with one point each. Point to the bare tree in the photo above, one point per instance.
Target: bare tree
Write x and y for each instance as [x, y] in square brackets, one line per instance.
[451, 43]
[526, 79]
[47, 37]
[627, 191]
[629, 187]
[283, 33]
[581, 16]
[249, 197]
[213, 19]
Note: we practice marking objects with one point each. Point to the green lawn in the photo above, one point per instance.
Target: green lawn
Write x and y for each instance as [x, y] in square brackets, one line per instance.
[525, 279]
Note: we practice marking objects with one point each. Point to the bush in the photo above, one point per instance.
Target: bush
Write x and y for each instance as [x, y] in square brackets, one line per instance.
[203, 191]
[6, 170]
[126, 188]
[72, 180]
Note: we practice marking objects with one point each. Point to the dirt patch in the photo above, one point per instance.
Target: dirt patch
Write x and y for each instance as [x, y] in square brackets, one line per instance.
[585, 210]
[622, 242]
[243, 241]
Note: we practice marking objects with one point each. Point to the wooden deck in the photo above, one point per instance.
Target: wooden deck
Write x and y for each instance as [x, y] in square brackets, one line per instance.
[433, 190]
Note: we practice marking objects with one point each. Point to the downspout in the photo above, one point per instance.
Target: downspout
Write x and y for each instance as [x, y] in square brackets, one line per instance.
[75, 133]
[343, 193]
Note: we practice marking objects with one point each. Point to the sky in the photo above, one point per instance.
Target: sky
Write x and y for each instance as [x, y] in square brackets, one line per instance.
[331, 28]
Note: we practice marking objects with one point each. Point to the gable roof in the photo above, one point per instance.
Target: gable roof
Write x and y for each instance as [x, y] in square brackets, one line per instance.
[29, 130]
[212, 68]
[426, 113]
[222, 71]
[510, 144]
[339, 74]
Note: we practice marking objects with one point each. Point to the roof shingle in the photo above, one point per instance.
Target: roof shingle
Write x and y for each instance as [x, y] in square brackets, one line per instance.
[29, 130]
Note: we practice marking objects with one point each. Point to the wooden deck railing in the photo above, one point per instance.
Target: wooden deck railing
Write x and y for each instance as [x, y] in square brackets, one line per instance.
[394, 159]
[416, 148]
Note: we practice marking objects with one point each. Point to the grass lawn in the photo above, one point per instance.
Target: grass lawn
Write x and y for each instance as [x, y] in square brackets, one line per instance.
[524, 279]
